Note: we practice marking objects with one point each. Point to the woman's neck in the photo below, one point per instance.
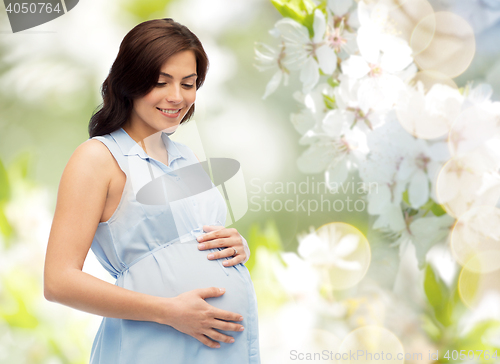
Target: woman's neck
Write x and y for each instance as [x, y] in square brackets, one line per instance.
[150, 141]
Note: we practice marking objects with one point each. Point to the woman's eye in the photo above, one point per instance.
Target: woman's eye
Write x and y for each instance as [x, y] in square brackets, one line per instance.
[160, 84]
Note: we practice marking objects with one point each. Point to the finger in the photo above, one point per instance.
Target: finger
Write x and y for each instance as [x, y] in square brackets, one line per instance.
[227, 326]
[216, 335]
[220, 233]
[210, 292]
[218, 254]
[236, 260]
[227, 315]
[205, 340]
[209, 228]
[229, 252]
[211, 244]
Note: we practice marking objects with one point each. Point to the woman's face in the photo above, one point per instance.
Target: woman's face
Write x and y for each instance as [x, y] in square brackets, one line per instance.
[166, 104]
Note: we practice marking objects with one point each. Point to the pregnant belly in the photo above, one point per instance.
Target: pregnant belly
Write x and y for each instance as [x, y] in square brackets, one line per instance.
[181, 267]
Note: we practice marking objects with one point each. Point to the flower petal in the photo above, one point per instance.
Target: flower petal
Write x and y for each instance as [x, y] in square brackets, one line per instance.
[309, 75]
[347, 265]
[319, 26]
[273, 84]
[418, 191]
[396, 54]
[327, 59]
[292, 31]
[315, 159]
[339, 7]
[355, 67]
[368, 43]
[347, 245]
[337, 173]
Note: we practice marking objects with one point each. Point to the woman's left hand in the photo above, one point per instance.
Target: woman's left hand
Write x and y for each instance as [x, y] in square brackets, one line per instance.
[220, 237]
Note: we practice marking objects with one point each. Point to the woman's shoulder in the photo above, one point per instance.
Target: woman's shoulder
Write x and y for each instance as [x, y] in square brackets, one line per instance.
[93, 151]
[86, 176]
[91, 157]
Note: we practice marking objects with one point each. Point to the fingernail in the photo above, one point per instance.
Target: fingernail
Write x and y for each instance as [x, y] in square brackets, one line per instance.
[201, 246]
[210, 256]
[224, 290]
[225, 263]
[242, 328]
[198, 238]
[231, 341]
[217, 346]
[241, 318]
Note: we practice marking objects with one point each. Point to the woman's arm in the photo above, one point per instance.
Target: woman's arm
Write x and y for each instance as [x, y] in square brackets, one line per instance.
[80, 203]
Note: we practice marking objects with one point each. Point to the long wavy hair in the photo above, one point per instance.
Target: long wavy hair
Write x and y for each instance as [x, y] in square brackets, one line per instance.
[137, 67]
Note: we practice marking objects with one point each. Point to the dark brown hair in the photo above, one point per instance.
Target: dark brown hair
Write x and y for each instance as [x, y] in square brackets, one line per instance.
[137, 67]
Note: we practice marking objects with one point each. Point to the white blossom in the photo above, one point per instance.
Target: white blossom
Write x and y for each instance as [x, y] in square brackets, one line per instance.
[270, 58]
[430, 115]
[323, 250]
[302, 52]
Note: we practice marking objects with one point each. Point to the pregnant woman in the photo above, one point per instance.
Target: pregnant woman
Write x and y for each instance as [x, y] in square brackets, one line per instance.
[147, 209]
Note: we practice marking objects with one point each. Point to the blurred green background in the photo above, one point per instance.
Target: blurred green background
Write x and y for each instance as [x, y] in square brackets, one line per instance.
[50, 79]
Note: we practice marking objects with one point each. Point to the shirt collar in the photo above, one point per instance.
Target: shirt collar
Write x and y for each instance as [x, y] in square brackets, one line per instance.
[129, 146]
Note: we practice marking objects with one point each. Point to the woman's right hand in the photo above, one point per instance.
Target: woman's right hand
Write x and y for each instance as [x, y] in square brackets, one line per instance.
[191, 314]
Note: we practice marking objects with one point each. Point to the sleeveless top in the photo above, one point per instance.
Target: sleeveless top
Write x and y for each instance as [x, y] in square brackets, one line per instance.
[177, 221]
[150, 246]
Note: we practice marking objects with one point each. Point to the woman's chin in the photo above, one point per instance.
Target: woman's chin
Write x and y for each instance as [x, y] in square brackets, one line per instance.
[171, 129]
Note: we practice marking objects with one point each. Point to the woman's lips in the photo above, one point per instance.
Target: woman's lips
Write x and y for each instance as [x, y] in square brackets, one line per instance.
[169, 115]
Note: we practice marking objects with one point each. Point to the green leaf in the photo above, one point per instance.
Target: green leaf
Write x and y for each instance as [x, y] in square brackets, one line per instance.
[290, 9]
[432, 287]
[302, 11]
[430, 205]
[268, 237]
[329, 102]
[333, 82]
[437, 209]
[406, 199]
[430, 328]
[308, 23]
[438, 296]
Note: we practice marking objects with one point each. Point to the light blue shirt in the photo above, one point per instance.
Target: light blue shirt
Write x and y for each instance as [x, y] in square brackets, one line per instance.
[153, 249]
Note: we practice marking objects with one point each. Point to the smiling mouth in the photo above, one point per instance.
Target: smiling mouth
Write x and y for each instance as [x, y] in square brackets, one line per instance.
[167, 111]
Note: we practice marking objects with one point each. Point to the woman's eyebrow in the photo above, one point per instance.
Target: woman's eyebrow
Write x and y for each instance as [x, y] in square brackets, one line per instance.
[170, 76]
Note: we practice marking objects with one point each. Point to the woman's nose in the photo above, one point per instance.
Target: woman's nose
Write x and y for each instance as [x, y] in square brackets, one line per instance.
[174, 95]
